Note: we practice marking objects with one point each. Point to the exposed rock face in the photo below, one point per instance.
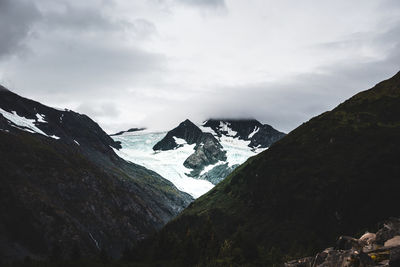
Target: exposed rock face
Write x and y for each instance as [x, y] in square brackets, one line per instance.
[132, 130]
[63, 189]
[265, 137]
[218, 173]
[207, 151]
[366, 251]
[187, 130]
[259, 135]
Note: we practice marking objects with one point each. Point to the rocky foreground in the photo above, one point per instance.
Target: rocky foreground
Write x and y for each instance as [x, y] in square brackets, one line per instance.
[371, 249]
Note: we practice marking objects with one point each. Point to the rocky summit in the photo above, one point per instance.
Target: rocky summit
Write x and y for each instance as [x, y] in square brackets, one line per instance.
[212, 139]
[260, 135]
[65, 193]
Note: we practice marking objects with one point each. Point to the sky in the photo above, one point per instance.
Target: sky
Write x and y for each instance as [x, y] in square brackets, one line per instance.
[154, 63]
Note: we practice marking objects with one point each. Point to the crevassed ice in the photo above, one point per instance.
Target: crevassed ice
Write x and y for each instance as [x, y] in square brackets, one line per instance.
[138, 148]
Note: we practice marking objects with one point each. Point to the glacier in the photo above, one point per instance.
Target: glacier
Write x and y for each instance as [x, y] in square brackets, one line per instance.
[137, 147]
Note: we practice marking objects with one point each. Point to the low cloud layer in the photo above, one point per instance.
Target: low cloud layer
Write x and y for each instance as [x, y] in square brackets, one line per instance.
[156, 62]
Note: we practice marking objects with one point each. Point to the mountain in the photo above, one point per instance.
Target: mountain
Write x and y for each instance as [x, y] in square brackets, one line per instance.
[207, 151]
[63, 190]
[337, 174]
[186, 130]
[259, 135]
[191, 156]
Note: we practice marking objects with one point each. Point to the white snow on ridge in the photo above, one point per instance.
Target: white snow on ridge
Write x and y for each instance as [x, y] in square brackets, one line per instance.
[224, 126]
[207, 130]
[179, 141]
[24, 124]
[40, 118]
[256, 129]
[138, 148]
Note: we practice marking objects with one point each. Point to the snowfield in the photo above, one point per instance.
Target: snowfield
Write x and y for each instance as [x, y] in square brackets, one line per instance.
[137, 147]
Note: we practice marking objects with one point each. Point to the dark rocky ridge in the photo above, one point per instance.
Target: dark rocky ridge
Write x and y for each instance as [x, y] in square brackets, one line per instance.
[61, 196]
[337, 174]
[131, 130]
[207, 151]
[264, 136]
[186, 130]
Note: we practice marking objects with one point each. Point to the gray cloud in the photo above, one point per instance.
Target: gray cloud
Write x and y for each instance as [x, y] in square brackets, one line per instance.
[285, 104]
[204, 3]
[17, 18]
[155, 63]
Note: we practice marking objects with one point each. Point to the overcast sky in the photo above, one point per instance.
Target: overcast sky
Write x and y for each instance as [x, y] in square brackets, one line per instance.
[155, 63]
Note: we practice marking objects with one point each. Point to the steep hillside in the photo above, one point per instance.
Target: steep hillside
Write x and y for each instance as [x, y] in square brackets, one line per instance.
[337, 174]
[64, 192]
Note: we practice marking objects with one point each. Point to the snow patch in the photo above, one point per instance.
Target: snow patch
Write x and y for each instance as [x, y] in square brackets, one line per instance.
[207, 130]
[224, 126]
[94, 240]
[76, 142]
[24, 124]
[256, 129]
[40, 118]
[179, 141]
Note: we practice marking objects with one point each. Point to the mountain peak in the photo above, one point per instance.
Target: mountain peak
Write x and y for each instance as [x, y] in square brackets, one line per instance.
[186, 130]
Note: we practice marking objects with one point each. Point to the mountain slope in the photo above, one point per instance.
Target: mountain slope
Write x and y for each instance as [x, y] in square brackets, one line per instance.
[336, 174]
[65, 192]
[195, 157]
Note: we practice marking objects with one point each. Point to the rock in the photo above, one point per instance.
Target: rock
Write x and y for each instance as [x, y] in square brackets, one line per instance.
[260, 135]
[390, 229]
[208, 151]
[395, 257]
[265, 137]
[305, 262]
[131, 130]
[367, 239]
[186, 130]
[393, 242]
[334, 258]
[218, 173]
[347, 242]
